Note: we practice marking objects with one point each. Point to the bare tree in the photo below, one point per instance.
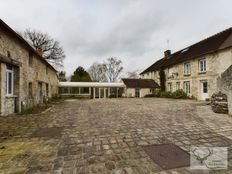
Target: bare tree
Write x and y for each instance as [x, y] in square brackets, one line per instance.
[133, 74]
[52, 51]
[97, 72]
[112, 68]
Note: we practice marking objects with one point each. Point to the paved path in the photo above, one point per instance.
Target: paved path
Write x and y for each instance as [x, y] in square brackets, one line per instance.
[104, 136]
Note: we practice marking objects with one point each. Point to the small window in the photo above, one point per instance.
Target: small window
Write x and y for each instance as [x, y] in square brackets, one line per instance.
[9, 80]
[8, 54]
[30, 59]
[177, 85]
[187, 87]
[30, 90]
[170, 86]
[202, 65]
[187, 68]
[47, 90]
[169, 72]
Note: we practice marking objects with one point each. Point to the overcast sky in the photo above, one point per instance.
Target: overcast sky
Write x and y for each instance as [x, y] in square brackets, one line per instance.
[135, 31]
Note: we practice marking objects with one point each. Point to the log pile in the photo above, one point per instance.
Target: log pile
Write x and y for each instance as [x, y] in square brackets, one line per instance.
[219, 103]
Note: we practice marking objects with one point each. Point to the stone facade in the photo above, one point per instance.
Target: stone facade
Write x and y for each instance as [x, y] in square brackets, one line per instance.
[130, 92]
[33, 81]
[216, 63]
[225, 85]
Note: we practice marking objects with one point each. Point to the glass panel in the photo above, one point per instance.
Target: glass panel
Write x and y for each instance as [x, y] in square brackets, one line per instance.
[10, 83]
[205, 87]
[9, 67]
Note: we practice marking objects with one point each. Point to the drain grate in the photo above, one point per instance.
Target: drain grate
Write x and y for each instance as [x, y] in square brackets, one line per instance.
[168, 156]
[52, 132]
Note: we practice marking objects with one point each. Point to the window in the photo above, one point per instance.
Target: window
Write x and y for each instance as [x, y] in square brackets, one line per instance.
[177, 85]
[187, 87]
[30, 92]
[170, 86]
[9, 80]
[202, 65]
[30, 61]
[187, 68]
[8, 54]
[205, 87]
[47, 89]
[169, 72]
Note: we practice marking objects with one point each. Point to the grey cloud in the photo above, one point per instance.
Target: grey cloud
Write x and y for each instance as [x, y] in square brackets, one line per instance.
[134, 30]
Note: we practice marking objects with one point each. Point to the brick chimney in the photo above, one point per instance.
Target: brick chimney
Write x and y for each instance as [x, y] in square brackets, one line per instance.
[167, 54]
[40, 51]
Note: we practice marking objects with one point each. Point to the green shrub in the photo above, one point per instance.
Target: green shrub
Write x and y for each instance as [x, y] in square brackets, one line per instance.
[150, 95]
[179, 94]
[166, 94]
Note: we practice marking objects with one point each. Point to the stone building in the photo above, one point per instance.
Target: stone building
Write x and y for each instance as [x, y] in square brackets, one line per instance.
[195, 68]
[26, 79]
[225, 86]
[96, 90]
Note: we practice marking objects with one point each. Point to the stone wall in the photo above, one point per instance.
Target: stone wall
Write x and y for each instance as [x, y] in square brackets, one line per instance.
[225, 85]
[130, 92]
[37, 72]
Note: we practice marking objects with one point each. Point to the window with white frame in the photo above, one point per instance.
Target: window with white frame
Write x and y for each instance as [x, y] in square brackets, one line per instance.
[187, 68]
[177, 85]
[187, 87]
[169, 72]
[202, 65]
[9, 80]
[170, 86]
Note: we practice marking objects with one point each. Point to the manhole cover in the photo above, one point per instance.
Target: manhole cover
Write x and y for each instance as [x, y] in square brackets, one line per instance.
[52, 132]
[167, 156]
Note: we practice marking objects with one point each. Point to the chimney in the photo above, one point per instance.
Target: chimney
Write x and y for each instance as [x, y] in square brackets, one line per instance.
[167, 54]
[40, 51]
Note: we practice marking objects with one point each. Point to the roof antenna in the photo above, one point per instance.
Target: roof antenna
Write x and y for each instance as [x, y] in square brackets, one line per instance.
[168, 46]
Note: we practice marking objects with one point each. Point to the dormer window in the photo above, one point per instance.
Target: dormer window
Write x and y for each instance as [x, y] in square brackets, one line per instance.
[187, 68]
[202, 65]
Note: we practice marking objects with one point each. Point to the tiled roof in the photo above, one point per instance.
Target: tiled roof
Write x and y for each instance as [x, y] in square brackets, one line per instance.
[23, 41]
[214, 43]
[140, 83]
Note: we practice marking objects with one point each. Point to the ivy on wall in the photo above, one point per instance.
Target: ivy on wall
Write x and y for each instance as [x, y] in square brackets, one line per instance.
[162, 80]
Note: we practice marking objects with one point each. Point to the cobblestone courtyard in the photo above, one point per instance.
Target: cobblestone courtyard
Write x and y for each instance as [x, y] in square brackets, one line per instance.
[104, 136]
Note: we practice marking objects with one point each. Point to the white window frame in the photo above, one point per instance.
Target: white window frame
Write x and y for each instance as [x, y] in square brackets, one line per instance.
[8, 72]
[187, 68]
[187, 87]
[202, 65]
[169, 72]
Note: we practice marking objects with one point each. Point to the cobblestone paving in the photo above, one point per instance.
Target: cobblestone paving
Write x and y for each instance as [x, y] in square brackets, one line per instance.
[104, 136]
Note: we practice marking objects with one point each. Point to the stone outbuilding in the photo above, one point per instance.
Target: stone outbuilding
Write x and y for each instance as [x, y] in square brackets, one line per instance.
[26, 78]
[139, 87]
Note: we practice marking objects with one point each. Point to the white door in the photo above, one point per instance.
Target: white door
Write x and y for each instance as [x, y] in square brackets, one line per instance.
[204, 90]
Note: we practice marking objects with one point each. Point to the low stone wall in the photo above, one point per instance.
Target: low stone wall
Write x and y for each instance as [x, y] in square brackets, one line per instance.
[225, 86]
